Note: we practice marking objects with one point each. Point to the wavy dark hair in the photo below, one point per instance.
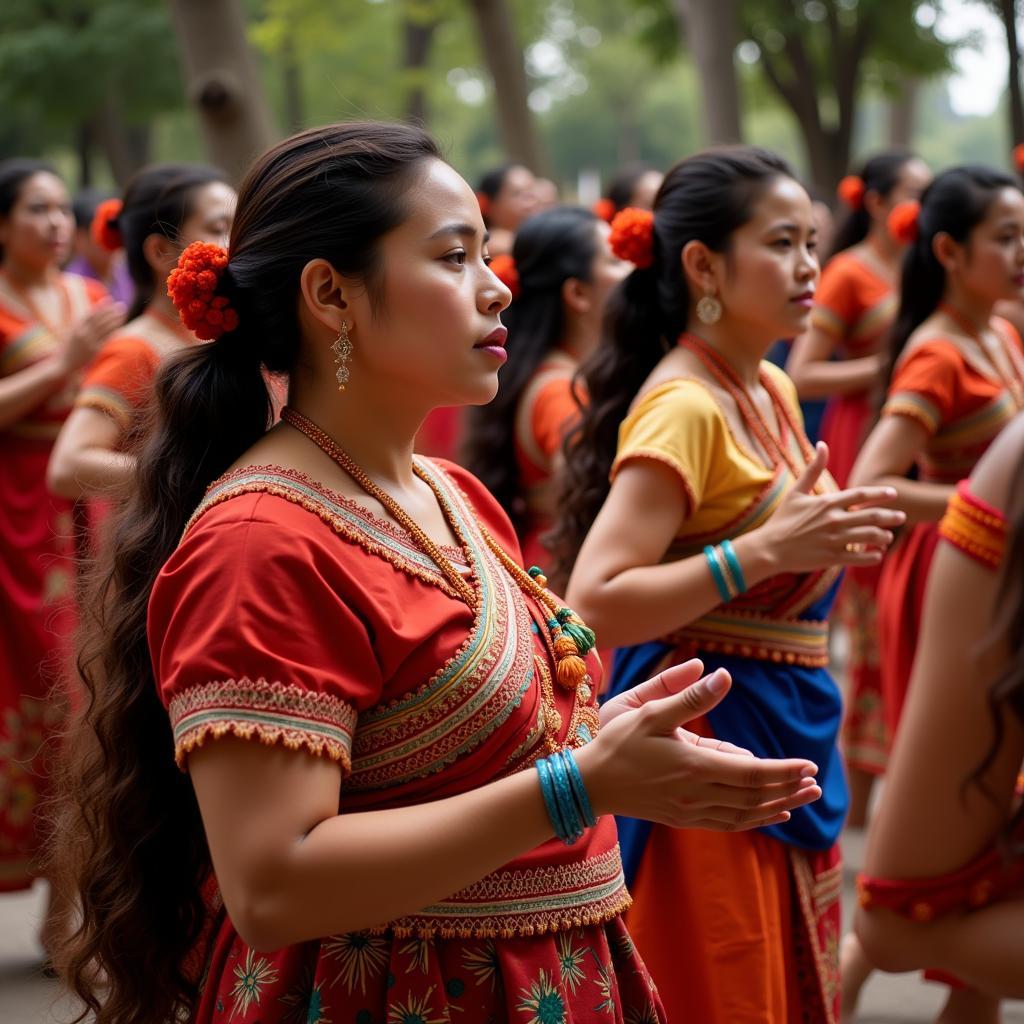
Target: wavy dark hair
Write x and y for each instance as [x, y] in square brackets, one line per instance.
[550, 248]
[13, 175]
[880, 174]
[157, 201]
[130, 847]
[955, 203]
[703, 198]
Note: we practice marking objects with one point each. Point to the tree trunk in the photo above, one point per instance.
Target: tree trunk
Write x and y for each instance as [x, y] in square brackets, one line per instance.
[126, 146]
[500, 48]
[418, 39]
[83, 149]
[222, 81]
[1008, 11]
[710, 30]
[902, 114]
[294, 107]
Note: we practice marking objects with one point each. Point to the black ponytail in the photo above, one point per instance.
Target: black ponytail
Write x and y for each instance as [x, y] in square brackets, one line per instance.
[706, 197]
[550, 248]
[954, 204]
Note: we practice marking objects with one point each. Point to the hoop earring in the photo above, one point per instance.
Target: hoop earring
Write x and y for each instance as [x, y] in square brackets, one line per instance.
[709, 309]
[342, 349]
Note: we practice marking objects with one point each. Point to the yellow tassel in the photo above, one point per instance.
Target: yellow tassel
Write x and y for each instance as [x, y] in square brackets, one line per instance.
[571, 671]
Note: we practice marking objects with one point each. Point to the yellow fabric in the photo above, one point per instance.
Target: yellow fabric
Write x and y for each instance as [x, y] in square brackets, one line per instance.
[680, 424]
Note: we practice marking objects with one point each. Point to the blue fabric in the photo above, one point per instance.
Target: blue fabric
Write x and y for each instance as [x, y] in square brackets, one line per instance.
[814, 409]
[773, 710]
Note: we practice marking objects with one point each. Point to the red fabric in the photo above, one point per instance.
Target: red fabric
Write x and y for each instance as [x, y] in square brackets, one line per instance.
[298, 586]
[441, 434]
[37, 547]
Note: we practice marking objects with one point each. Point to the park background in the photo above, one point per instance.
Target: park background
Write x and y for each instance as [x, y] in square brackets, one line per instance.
[572, 88]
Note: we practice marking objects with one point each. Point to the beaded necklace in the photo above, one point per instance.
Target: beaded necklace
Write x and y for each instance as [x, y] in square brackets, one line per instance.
[775, 447]
[1012, 381]
[569, 638]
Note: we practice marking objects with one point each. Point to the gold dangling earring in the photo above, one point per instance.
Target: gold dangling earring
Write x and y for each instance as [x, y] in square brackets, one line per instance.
[709, 309]
[342, 349]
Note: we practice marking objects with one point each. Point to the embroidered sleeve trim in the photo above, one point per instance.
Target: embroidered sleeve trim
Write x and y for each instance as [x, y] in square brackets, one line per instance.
[273, 713]
[916, 407]
[106, 400]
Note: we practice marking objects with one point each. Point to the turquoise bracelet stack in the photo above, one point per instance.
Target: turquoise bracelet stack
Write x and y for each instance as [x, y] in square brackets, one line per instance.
[565, 796]
[725, 570]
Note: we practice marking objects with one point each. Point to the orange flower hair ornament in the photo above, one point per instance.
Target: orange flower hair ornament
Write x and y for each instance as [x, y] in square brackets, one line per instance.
[485, 203]
[604, 209]
[504, 268]
[632, 236]
[851, 191]
[902, 221]
[193, 289]
[104, 230]
[1018, 157]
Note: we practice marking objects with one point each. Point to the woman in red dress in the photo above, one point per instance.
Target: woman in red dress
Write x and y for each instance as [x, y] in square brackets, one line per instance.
[165, 208]
[384, 719]
[561, 272]
[853, 314]
[50, 325]
[957, 381]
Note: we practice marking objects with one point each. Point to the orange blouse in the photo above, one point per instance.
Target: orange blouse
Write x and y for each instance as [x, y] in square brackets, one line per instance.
[854, 305]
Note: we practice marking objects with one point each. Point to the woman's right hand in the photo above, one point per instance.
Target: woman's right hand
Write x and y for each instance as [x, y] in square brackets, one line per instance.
[643, 764]
[89, 333]
[815, 531]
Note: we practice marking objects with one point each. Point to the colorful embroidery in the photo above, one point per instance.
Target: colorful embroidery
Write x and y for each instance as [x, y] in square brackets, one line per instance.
[570, 961]
[251, 978]
[792, 641]
[542, 1001]
[362, 956]
[416, 1009]
[270, 712]
[975, 527]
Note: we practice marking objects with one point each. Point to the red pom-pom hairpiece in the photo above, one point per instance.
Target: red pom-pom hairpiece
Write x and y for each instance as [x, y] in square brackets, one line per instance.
[485, 204]
[903, 221]
[104, 230]
[632, 236]
[604, 209]
[1018, 157]
[851, 191]
[504, 268]
[192, 287]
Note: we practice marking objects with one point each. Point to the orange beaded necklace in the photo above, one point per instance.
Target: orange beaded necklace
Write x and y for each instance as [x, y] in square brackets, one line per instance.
[570, 638]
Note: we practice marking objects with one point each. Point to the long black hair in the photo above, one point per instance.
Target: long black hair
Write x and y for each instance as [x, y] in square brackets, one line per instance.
[131, 851]
[880, 174]
[550, 248]
[13, 175]
[955, 203]
[703, 198]
[157, 201]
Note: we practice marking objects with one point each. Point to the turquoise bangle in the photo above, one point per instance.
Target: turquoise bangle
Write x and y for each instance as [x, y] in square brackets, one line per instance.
[717, 574]
[579, 790]
[734, 566]
[566, 804]
[547, 788]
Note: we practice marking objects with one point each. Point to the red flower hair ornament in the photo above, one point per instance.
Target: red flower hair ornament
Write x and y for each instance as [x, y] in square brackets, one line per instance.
[192, 287]
[1018, 157]
[903, 221]
[485, 204]
[632, 236]
[604, 209]
[504, 268]
[851, 191]
[104, 230]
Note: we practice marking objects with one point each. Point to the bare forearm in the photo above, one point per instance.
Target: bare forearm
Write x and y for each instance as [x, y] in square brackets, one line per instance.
[355, 871]
[823, 379]
[922, 502]
[651, 601]
[90, 472]
[22, 392]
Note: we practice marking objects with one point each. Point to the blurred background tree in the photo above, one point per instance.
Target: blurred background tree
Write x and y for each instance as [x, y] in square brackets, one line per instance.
[567, 86]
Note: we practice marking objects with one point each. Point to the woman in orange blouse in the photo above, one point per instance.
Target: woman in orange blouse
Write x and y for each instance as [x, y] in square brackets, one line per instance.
[957, 381]
[51, 324]
[390, 732]
[561, 272]
[165, 208]
[938, 890]
[853, 312]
